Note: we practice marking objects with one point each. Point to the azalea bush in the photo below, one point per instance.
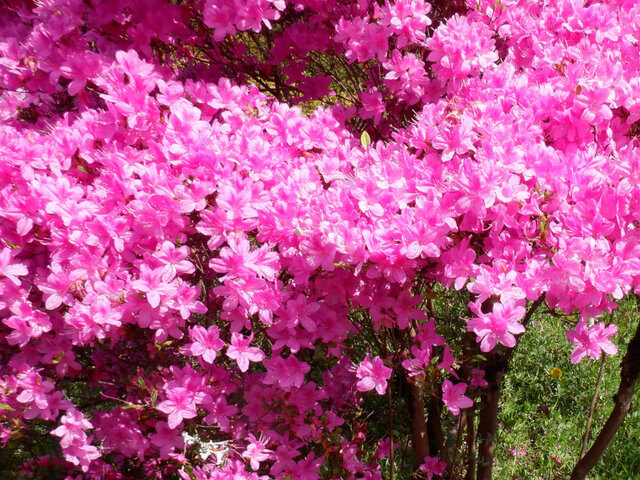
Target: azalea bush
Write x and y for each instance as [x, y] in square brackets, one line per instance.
[302, 239]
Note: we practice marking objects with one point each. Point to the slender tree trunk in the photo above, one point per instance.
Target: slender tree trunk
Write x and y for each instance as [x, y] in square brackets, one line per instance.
[419, 437]
[470, 348]
[414, 397]
[471, 445]
[434, 429]
[496, 367]
[628, 379]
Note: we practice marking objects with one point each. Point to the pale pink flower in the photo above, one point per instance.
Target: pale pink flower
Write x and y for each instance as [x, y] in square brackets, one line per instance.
[257, 451]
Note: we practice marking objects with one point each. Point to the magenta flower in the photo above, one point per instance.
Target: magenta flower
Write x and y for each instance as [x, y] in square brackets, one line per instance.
[498, 326]
[151, 283]
[180, 404]
[256, 451]
[433, 466]
[35, 391]
[9, 269]
[174, 260]
[591, 341]
[286, 372]
[372, 374]
[166, 439]
[206, 343]
[241, 351]
[454, 398]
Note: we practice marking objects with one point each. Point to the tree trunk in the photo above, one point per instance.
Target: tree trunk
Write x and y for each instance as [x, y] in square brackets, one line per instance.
[419, 437]
[496, 367]
[488, 424]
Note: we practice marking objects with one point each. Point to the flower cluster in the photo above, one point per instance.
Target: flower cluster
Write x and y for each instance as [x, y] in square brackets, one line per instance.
[211, 211]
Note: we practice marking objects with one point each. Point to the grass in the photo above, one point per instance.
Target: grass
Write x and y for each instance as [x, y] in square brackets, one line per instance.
[542, 419]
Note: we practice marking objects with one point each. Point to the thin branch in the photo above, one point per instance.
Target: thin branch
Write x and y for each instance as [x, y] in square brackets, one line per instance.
[457, 446]
[390, 408]
[587, 430]
[471, 445]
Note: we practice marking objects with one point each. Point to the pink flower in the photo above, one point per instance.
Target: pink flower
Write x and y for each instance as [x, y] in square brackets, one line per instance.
[256, 451]
[239, 260]
[406, 309]
[286, 372]
[372, 106]
[497, 326]
[206, 343]
[363, 40]
[242, 353]
[433, 466]
[74, 441]
[591, 341]
[152, 284]
[9, 269]
[35, 391]
[373, 374]
[166, 439]
[477, 379]
[180, 404]
[454, 398]
[447, 361]
[73, 424]
[174, 260]
[408, 19]
[460, 47]
[27, 323]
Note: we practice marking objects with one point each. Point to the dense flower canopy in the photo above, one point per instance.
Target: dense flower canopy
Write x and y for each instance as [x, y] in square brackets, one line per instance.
[196, 234]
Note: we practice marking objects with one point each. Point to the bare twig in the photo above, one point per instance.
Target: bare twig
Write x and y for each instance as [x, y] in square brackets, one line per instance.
[390, 408]
[587, 430]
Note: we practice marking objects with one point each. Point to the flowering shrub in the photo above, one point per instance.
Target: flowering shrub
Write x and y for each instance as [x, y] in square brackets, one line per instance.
[224, 224]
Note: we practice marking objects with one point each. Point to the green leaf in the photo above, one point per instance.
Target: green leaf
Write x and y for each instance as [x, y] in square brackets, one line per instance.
[4, 406]
[365, 139]
[141, 382]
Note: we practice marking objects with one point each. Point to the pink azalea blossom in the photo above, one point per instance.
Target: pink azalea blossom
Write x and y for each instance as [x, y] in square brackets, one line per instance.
[179, 405]
[433, 466]
[256, 451]
[499, 326]
[591, 341]
[286, 372]
[454, 398]
[241, 351]
[206, 343]
[372, 374]
[10, 269]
